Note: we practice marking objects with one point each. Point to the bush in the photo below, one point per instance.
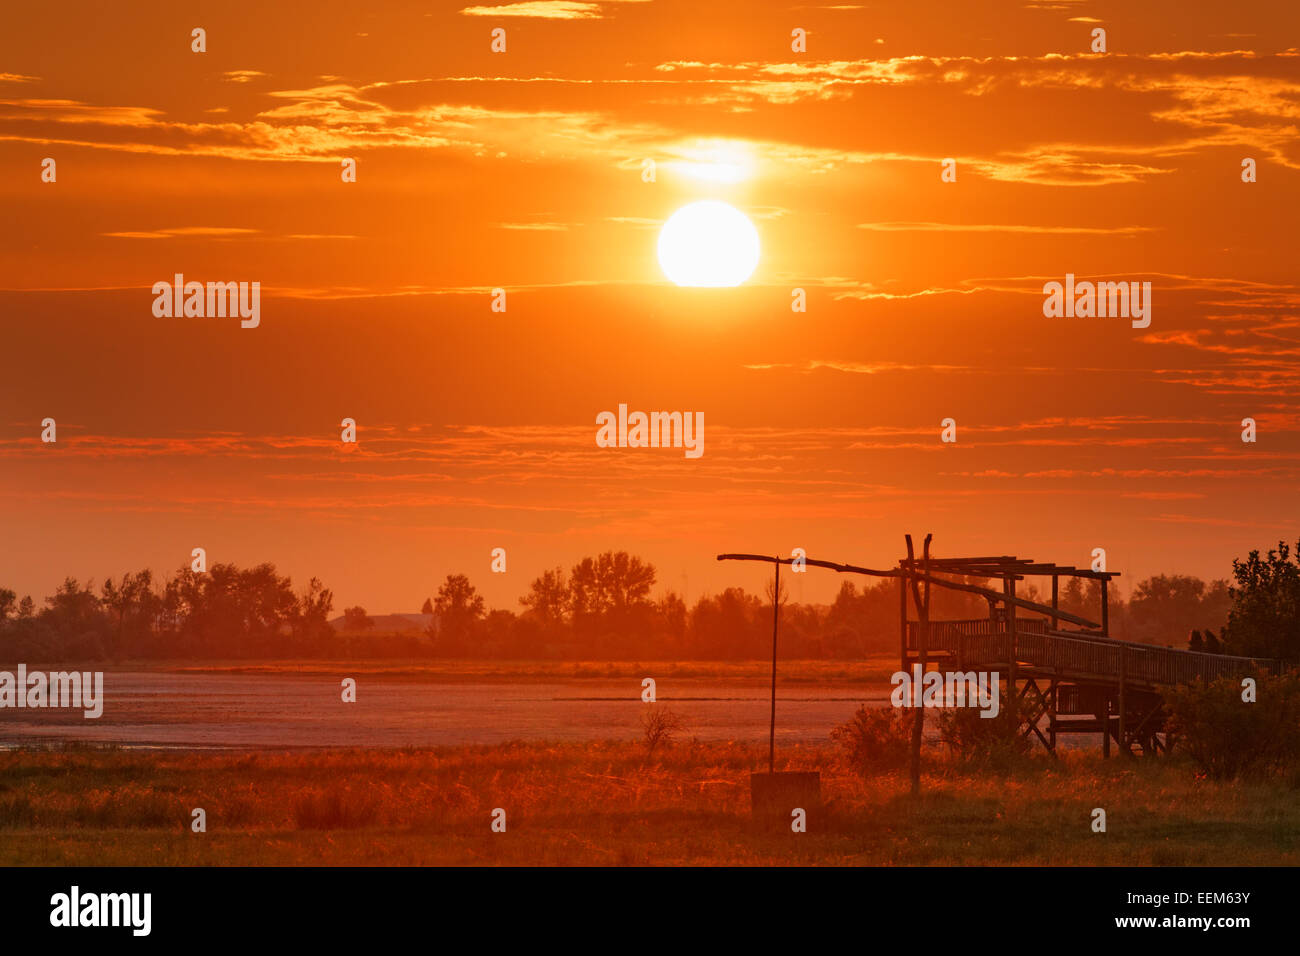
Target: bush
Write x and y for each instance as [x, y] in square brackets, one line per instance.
[334, 809]
[1227, 737]
[877, 738]
[659, 725]
[996, 741]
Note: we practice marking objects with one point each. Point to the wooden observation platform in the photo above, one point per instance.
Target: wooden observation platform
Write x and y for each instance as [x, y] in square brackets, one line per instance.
[1063, 680]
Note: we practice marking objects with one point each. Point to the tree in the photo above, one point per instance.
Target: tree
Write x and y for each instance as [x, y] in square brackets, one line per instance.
[610, 602]
[732, 625]
[135, 607]
[76, 621]
[1228, 737]
[671, 610]
[356, 619]
[229, 611]
[460, 609]
[428, 606]
[1080, 599]
[1265, 616]
[1169, 604]
[548, 601]
[310, 617]
[859, 622]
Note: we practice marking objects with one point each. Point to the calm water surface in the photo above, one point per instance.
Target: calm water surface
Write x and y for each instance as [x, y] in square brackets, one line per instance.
[150, 709]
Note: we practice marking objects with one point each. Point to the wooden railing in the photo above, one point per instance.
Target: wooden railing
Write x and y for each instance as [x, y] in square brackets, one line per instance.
[1074, 654]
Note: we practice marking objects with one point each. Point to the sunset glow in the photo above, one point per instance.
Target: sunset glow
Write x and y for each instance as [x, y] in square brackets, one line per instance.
[708, 243]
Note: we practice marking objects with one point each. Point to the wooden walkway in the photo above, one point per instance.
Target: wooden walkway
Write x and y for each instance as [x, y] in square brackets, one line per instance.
[1060, 681]
[1072, 681]
[1072, 655]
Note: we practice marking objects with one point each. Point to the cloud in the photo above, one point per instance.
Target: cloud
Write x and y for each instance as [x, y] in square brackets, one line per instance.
[538, 226]
[215, 232]
[974, 227]
[545, 9]
[197, 232]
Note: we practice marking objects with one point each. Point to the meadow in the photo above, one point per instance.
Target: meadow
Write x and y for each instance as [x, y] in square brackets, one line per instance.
[619, 803]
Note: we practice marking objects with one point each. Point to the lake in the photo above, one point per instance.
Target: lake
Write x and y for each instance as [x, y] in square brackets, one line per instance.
[152, 709]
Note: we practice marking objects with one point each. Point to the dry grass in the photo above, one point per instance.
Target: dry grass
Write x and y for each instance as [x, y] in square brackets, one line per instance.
[610, 803]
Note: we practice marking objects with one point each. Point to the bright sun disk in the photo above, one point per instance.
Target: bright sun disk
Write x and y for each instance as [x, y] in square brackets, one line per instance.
[708, 243]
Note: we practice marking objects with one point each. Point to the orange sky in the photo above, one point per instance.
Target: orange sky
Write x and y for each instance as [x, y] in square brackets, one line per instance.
[523, 170]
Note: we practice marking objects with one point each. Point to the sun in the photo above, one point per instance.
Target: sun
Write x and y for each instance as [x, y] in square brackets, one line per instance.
[708, 243]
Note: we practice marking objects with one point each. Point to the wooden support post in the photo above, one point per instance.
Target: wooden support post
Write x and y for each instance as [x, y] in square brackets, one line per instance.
[776, 611]
[1105, 608]
[1051, 714]
[1123, 739]
[1056, 601]
[1105, 726]
[902, 619]
[1009, 589]
[922, 633]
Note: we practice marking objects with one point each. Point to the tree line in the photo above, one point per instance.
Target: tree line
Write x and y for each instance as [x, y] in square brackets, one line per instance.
[604, 608]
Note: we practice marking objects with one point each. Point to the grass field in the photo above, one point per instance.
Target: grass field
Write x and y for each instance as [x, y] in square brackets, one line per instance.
[612, 803]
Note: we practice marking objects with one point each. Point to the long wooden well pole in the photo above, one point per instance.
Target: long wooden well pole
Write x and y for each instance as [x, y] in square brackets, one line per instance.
[776, 610]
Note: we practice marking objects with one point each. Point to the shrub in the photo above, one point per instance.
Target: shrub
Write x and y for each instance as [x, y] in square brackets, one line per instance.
[659, 725]
[1227, 737]
[876, 738]
[995, 741]
[335, 809]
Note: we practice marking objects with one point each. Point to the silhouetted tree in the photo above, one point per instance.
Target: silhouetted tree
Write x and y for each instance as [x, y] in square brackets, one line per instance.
[548, 601]
[459, 609]
[610, 601]
[1265, 616]
[356, 619]
[1164, 606]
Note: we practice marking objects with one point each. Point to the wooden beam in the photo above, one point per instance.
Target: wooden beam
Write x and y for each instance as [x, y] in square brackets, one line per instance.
[998, 596]
[910, 572]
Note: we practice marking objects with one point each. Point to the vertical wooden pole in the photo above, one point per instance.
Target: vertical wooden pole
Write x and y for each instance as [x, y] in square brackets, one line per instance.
[922, 625]
[1009, 589]
[776, 610]
[1051, 715]
[1056, 601]
[1105, 608]
[925, 567]
[1105, 725]
[902, 619]
[1123, 667]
